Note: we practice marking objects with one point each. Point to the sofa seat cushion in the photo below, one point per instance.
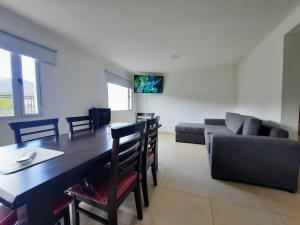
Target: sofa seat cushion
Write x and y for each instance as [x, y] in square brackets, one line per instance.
[209, 131]
[98, 190]
[234, 122]
[190, 128]
[251, 126]
[215, 130]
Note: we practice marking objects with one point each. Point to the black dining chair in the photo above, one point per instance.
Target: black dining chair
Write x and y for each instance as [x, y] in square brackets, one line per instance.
[144, 116]
[36, 129]
[149, 155]
[108, 190]
[44, 129]
[79, 124]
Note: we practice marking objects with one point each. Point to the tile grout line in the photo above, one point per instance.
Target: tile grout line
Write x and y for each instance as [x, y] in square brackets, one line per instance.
[273, 210]
[283, 221]
[214, 199]
[211, 209]
[184, 192]
[245, 206]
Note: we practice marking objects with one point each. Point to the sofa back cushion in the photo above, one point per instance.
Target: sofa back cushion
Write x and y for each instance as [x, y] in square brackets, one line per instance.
[234, 122]
[278, 132]
[229, 116]
[251, 126]
[265, 130]
[269, 131]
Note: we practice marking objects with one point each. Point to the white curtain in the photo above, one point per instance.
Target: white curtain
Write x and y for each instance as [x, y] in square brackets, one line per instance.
[22, 46]
[116, 79]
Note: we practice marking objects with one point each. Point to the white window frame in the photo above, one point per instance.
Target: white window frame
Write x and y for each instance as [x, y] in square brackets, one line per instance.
[18, 91]
[129, 96]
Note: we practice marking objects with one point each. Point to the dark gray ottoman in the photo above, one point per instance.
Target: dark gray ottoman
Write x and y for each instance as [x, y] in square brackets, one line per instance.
[190, 133]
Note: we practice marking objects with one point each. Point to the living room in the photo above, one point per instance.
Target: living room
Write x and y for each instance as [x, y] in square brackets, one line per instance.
[218, 59]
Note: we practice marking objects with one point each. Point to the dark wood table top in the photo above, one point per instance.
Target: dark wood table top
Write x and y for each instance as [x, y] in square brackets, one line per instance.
[80, 152]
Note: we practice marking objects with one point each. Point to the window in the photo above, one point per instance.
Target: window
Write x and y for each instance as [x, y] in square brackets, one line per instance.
[119, 97]
[30, 90]
[6, 89]
[119, 92]
[19, 85]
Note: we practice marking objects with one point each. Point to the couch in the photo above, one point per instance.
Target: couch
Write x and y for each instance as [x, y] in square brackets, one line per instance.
[242, 148]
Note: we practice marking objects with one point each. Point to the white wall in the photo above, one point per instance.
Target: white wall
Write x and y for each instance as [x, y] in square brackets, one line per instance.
[69, 88]
[192, 96]
[291, 84]
[260, 74]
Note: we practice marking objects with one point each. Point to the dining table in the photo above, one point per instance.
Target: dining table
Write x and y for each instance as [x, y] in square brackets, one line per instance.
[31, 191]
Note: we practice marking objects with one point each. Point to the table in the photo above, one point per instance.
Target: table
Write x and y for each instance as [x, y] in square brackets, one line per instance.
[33, 189]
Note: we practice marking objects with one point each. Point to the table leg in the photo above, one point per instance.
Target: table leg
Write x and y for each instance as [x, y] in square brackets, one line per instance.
[38, 211]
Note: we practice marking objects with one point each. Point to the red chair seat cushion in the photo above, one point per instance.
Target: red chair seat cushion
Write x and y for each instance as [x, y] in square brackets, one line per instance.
[97, 191]
[7, 216]
[61, 203]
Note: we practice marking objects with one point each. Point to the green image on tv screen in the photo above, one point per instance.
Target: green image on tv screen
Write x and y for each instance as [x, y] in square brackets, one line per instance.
[148, 84]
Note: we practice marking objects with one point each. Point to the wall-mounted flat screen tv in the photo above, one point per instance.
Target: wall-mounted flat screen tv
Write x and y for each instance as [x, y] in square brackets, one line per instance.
[144, 83]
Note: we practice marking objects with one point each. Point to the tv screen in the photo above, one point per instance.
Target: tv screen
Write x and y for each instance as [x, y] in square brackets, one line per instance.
[148, 83]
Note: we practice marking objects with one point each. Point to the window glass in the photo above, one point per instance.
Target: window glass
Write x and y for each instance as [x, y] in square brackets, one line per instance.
[119, 97]
[130, 98]
[6, 85]
[29, 85]
[19, 85]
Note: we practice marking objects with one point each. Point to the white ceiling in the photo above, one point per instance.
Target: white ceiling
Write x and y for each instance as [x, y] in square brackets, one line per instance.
[141, 35]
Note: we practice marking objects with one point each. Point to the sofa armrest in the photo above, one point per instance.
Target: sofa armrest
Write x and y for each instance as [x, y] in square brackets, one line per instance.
[215, 122]
[256, 143]
[268, 161]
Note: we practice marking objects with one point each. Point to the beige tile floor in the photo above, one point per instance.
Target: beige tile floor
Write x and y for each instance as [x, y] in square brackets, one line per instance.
[186, 194]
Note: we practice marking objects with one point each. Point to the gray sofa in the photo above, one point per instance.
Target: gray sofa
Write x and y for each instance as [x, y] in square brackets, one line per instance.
[244, 149]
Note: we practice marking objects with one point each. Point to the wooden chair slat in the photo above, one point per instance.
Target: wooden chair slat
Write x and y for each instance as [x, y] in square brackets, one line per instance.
[128, 160]
[38, 138]
[124, 170]
[37, 132]
[144, 116]
[126, 153]
[126, 145]
[17, 127]
[150, 146]
[125, 159]
[152, 141]
[33, 123]
[117, 133]
[82, 124]
[78, 124]
[77, 118]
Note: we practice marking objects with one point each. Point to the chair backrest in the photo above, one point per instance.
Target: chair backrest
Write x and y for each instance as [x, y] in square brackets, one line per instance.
[150, 139]
[144, 116]
[79, 124]
[125, 154]
[32, 129]
[100, 116]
